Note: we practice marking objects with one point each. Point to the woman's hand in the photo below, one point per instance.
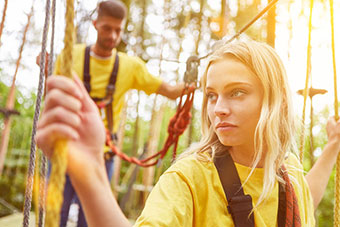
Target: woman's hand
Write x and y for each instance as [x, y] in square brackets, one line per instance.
[333, 134]
[70, 114]
[319, 174]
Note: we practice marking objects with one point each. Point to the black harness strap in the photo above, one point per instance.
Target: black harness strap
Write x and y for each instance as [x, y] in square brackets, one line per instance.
[239, 204]
[110, 89]
[87, 76]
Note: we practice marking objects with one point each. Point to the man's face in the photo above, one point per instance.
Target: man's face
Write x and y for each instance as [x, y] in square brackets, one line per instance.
[109, 31]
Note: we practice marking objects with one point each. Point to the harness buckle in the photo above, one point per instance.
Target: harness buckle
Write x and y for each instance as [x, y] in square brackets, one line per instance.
[191, 72]
[240, 205]
[110, 89]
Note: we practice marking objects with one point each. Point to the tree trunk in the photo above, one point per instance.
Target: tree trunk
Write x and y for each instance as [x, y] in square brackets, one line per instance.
[271, 25]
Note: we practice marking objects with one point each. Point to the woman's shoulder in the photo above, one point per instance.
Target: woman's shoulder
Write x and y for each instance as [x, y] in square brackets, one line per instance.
[190, 166]
[292, 161]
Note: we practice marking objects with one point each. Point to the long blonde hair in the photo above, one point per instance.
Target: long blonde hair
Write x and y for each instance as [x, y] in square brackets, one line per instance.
[276, 126]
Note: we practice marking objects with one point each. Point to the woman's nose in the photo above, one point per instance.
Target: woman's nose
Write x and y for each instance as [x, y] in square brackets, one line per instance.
[222, 107]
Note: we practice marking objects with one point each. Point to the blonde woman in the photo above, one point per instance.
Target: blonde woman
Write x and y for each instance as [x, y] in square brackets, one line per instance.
[246, 115]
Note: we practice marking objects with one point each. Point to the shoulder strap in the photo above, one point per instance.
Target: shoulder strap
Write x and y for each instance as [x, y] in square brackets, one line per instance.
[110, 89]
[87, 77]
[239, 204]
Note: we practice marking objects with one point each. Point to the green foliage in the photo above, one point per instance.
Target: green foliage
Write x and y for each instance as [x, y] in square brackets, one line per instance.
[325, 211]
[13, 178]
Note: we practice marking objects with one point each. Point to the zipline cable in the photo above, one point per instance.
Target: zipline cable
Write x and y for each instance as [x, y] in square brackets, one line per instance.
[244, 28]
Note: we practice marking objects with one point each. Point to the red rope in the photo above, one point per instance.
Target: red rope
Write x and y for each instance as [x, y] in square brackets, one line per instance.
[177, 125]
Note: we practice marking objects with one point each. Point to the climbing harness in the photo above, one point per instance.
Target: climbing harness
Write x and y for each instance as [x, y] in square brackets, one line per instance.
[107, 101]
[240, 205]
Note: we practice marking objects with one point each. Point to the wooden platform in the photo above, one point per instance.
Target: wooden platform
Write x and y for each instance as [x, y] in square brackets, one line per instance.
[15, 220]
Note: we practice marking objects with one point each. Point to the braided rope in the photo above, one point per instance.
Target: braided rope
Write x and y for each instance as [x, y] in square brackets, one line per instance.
[30, 172]
[177, 126]
[3, 19]
[337, 175]
[59, 158]
[43, 168]
[42, 190]
[305, 91]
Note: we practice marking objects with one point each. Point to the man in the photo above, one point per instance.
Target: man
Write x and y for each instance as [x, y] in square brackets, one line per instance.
[108, 75]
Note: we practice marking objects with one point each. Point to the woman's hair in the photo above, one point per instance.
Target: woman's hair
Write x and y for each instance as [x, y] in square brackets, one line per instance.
[276, 126]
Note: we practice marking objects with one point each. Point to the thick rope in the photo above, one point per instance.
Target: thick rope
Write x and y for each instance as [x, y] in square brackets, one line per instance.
[3, 19]
[305, 91]
[59, 157]
[30, 172]
[43, 169]
[337, 175]
[177, 126]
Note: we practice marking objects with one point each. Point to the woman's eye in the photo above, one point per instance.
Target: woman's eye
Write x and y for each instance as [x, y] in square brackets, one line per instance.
[211, 97]
[237, 93]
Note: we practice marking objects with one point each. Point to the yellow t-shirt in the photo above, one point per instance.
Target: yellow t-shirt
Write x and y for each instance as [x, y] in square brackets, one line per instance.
[132, 74]
[189, 193]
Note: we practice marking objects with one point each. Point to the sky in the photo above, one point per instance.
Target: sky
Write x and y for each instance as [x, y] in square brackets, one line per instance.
[293, 54]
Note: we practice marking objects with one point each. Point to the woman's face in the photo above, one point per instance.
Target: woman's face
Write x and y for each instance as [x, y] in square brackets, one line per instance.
[234, 101]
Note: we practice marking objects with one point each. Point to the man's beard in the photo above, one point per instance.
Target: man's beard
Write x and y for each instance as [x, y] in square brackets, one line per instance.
[105, 46]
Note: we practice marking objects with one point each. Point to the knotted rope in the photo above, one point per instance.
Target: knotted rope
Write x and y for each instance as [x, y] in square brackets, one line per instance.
[177, 126]
[59, 157]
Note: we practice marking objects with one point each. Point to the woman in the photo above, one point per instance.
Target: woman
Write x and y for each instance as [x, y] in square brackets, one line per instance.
[246, 112]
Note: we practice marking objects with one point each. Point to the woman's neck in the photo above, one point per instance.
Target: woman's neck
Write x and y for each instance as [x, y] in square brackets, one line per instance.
[245, 156]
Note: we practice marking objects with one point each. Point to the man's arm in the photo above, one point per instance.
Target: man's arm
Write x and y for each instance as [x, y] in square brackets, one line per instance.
[170, 91]
[318, 176]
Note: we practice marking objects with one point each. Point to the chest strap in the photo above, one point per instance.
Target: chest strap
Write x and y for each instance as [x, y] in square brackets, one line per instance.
[239, 204]
[110, 89]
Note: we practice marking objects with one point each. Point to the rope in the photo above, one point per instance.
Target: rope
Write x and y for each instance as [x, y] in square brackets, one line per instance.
[30, 172]
[43, 169]
[59, 157]
[3, 19]
[305, 91]
[337, 175]
[177, 126]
